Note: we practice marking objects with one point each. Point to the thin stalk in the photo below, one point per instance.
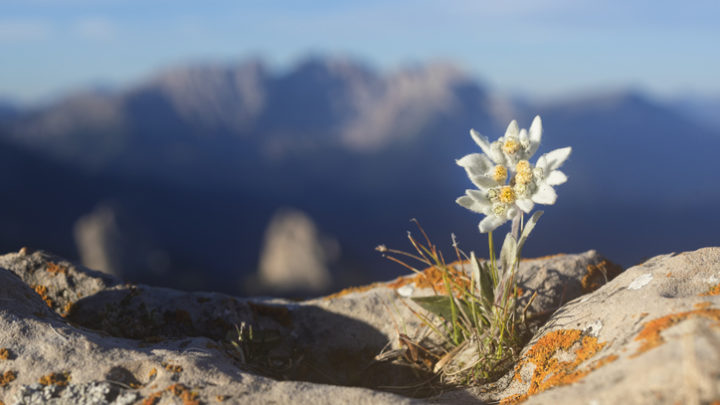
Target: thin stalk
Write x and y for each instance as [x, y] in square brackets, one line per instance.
[453, 309]
[493, 269]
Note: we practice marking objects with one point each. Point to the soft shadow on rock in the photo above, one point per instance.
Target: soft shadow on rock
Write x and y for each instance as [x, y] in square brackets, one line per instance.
[73, 334]
[290, 341]
[124, 341]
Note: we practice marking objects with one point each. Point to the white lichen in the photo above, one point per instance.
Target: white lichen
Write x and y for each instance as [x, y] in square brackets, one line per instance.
[640, 281]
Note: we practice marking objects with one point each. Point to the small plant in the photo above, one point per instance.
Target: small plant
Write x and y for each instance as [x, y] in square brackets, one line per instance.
[482, 326]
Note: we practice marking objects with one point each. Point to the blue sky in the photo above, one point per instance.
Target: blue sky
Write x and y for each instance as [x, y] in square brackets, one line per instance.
[541, 48]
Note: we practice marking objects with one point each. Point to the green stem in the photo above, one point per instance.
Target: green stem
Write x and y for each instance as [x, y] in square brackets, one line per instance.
[493, 269]
[453, 309]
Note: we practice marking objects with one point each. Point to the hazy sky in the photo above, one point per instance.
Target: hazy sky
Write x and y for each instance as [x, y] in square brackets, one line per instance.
[535, 47]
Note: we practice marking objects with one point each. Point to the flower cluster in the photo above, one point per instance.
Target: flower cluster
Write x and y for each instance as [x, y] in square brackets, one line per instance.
[507, 182]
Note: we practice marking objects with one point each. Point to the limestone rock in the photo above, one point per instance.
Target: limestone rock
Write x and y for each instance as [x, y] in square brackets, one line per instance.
[294, 257]
[67, 360]
[73, 335]
[109, 240]
[650, 336]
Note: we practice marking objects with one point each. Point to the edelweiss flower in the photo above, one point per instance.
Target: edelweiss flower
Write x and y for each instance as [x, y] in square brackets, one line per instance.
[497, 204]
[500, 201]
[482, 172]
[515, 146]
[535, 185]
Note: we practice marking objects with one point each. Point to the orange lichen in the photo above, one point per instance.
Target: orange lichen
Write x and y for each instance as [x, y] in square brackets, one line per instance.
[598, 274]
[55, 269]
[172, 367]
[651, 337]
[350, 290]
[714, 290]
[702, 305]
[67, 308]
[549, 370]
[221, 398]
[431, 277]
[60, 379]
[153, 398]
[187, 396]
[4, 354]
[42, 291]
[7, 377]
[152, 373]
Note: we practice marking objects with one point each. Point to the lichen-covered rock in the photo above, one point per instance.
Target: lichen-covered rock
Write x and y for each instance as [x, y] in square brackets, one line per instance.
[72, 335]
[52, 357]
[650, 336]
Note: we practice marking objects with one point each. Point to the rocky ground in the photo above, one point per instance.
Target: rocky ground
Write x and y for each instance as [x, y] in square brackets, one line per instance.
[69, 335]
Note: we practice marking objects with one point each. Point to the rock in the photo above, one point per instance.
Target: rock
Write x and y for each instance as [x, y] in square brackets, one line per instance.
[73, 335]
[650, 336]
[109, 240]
[294, 257]
[77, 357]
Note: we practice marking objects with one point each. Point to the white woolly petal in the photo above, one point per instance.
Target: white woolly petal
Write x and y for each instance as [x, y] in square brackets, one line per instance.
[535, 134]
[511, 213]
[542, 163]
[475, 163]
[545, 195]
[512, 129]
[556, 177]
[557, 157]
[483, 182]
[489, 223]
[497, 156]
[525, 204]
[524, 136]
[472, 204]
[482, 142]
[479, 196]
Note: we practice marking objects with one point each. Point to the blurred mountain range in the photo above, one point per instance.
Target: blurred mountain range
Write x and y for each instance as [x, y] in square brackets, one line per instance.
[175, 180]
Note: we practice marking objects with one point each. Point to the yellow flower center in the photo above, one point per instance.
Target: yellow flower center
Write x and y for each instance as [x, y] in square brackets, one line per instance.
[500, 173]
[524, 173]
[522, 166]
[520, 189]
[523, 177]
[511, 146]
[499, 209]
[507, 195]
[492, 194]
